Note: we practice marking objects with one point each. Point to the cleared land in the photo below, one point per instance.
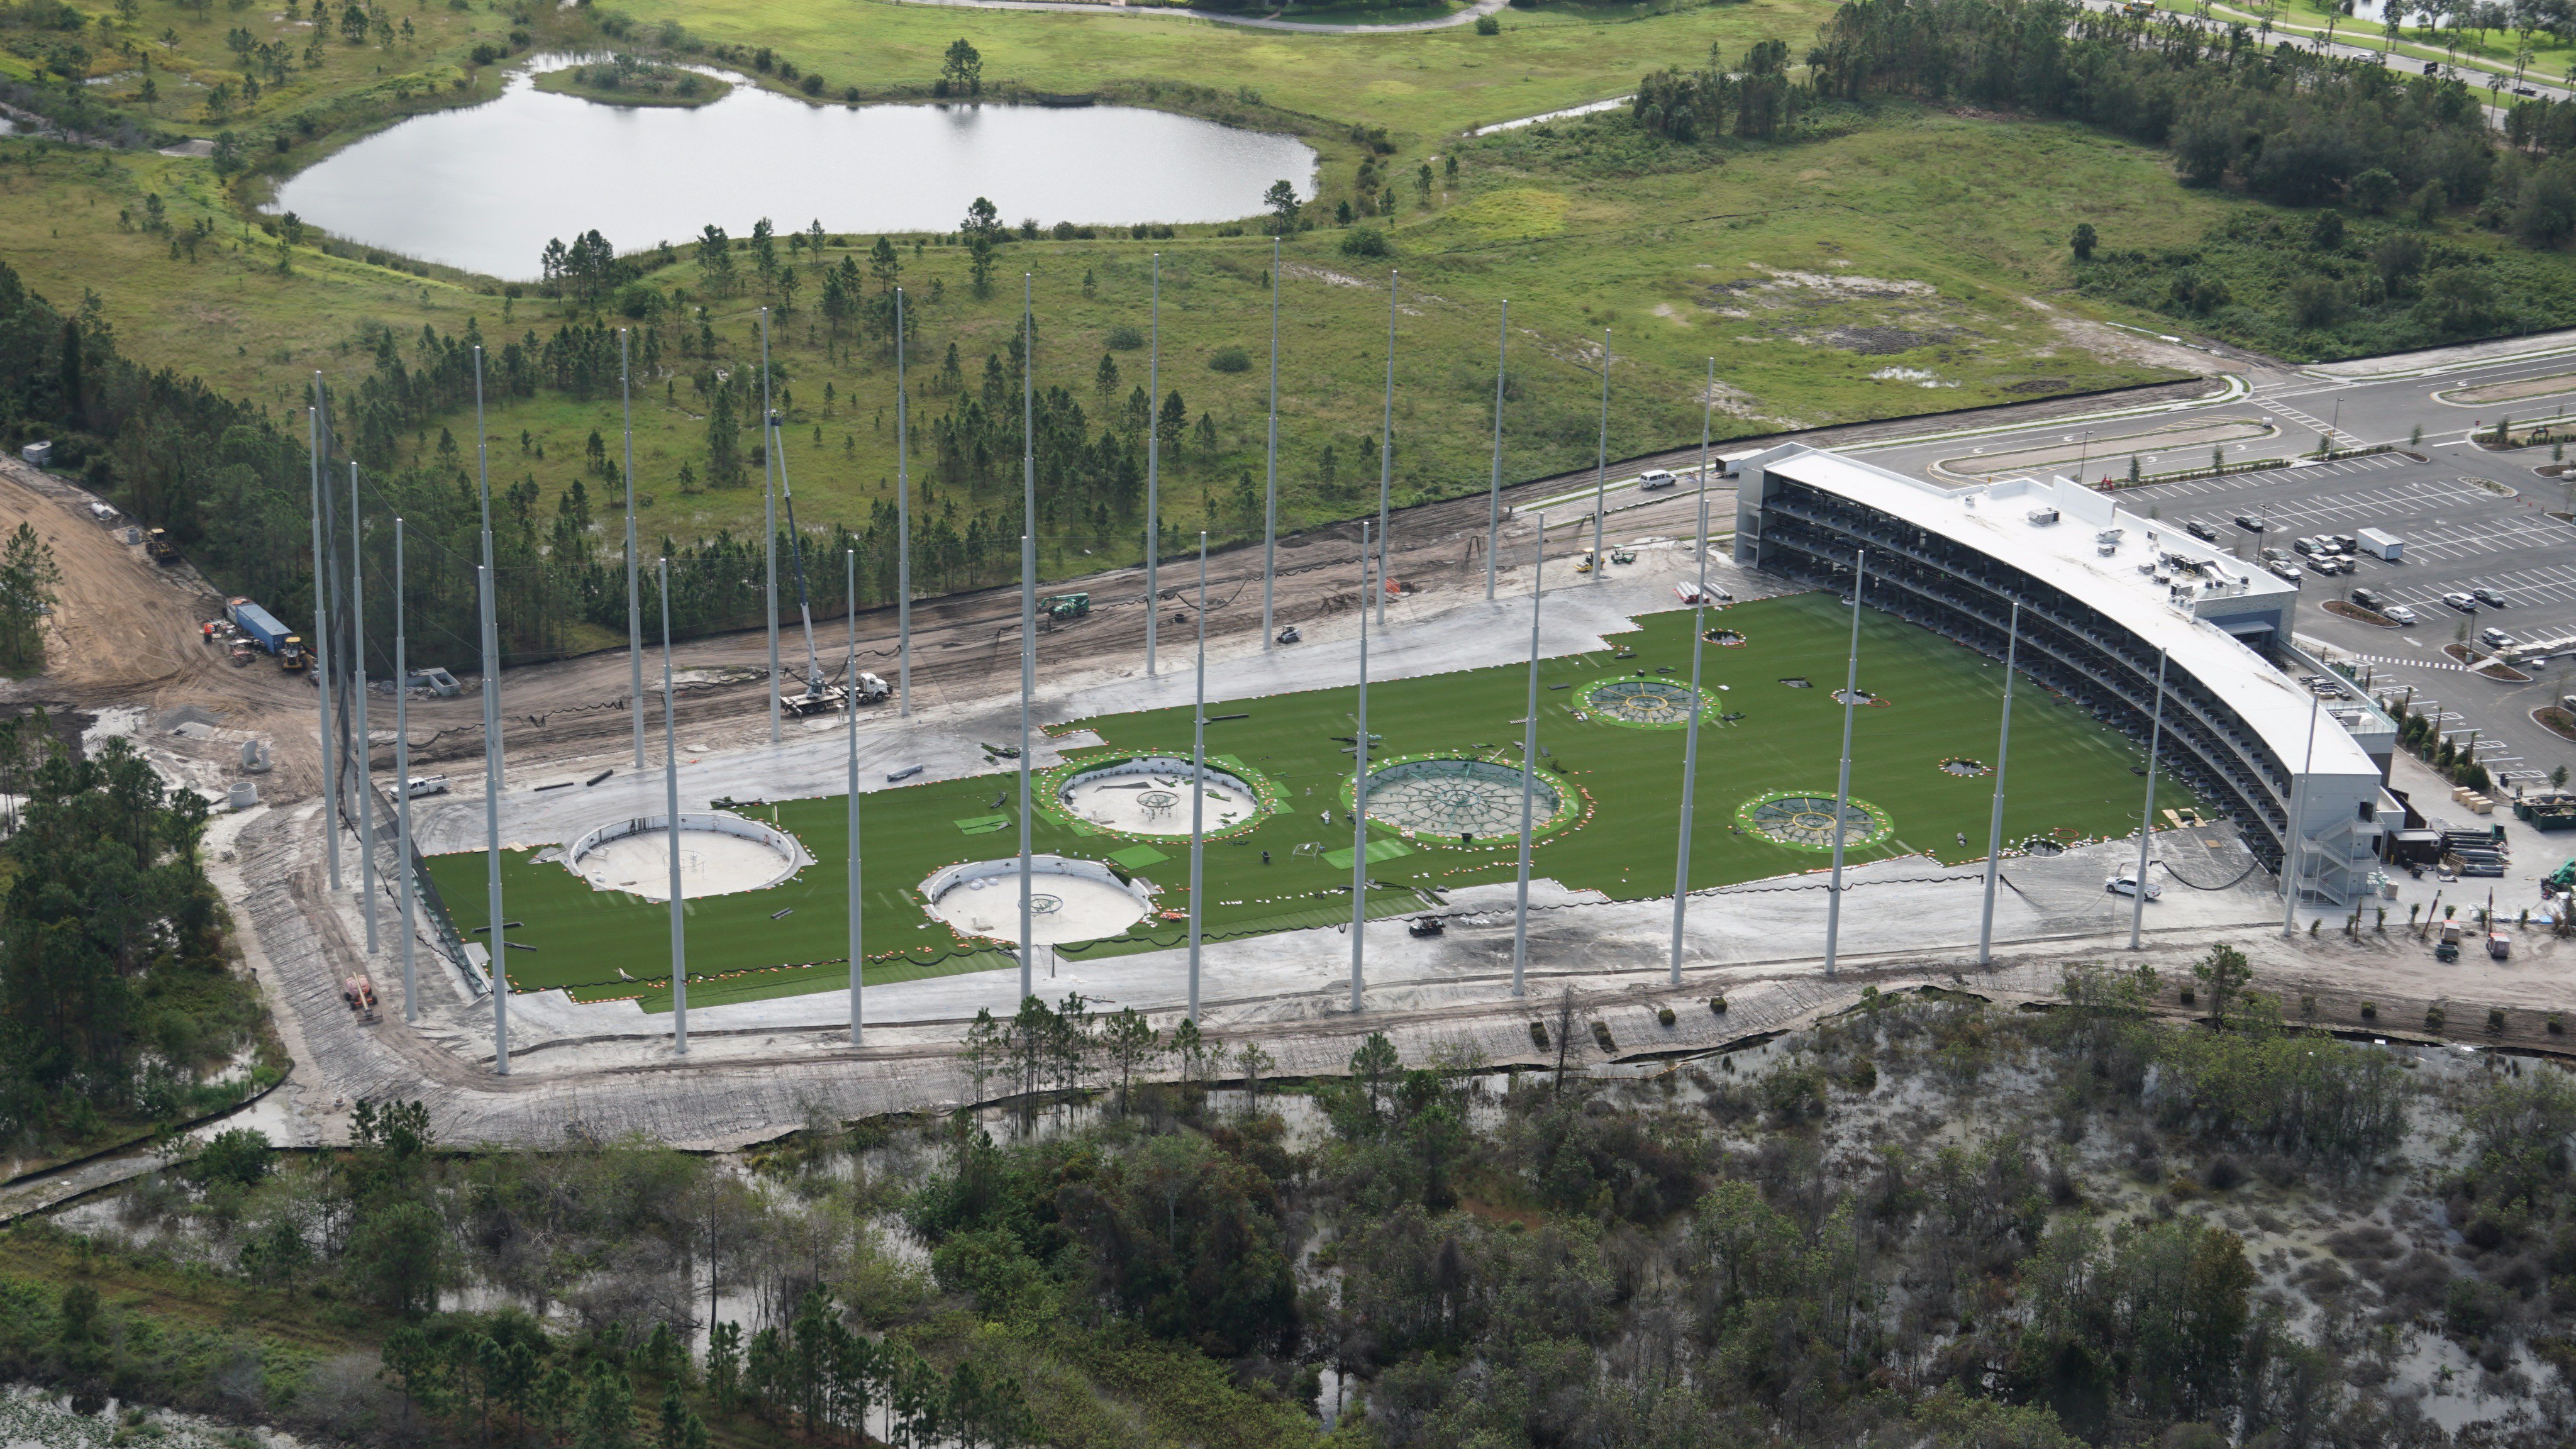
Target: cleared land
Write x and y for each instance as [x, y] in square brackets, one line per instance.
[2070, 779]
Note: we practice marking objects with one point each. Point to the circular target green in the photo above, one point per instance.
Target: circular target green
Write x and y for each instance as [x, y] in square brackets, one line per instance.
[1641, 703]
[1806, 820]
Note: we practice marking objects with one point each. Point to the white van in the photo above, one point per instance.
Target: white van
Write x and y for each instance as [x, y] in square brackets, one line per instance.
[1654, 478]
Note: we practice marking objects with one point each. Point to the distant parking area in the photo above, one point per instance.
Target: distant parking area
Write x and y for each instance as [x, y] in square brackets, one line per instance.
[2470, 521]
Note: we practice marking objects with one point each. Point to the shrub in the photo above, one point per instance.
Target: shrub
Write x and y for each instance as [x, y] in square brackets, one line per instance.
[1488, 25]
[1123, 338]
[2557, 1023]
[1538, 1035]
[1601, 1036]
[1717, 1005]
[1664, 1014]
[2370, 1011]
[2433, 1018]
[2495, 1019]
[812, 85]
[1364, 241]
[1231, 359]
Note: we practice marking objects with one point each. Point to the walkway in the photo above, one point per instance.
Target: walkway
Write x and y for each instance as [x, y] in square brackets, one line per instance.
[1467, 16]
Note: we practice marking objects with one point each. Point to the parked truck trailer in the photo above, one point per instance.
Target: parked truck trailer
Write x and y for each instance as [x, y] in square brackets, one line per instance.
[256, 623]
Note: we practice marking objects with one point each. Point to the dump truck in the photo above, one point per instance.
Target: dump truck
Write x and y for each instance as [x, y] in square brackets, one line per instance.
[158, 547]
[257, 625]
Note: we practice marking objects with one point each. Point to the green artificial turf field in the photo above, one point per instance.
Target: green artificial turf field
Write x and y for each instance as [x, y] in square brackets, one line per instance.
[2070, 778]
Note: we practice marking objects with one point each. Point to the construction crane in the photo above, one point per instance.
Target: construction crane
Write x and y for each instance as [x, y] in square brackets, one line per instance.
[818, 695]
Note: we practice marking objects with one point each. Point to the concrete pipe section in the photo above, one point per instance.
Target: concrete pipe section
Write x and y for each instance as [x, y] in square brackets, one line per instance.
[1071, 900]
[1150, 795]
[719, 855]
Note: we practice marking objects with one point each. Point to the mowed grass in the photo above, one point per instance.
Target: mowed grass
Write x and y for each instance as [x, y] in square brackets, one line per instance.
[2069, 778]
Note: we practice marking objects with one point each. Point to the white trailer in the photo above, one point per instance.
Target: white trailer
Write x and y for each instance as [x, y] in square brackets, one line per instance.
[2382, 544]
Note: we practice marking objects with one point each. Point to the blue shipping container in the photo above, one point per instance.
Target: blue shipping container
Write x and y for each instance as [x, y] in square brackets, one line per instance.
[263, 629]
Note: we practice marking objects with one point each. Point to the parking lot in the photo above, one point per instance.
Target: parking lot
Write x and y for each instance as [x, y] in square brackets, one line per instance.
[2470, 521]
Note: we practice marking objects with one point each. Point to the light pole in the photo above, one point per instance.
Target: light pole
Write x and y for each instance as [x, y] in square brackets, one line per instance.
[402, 785]
[1359, 791]
[489, 583]
[1198, 787]
[1601, 468]
[1529, 764]
[2147, 817]
[1028, 616]
[902, 537]
[1494, 494]
[671, 808]
[1270, 487]
[850, 564]
[321, 663]
[1699, 642]
[1385, 468]
[1995, 825]
[769, 522]
[366, 754]
[634, 591]
[1842, 790]
[1154, 469]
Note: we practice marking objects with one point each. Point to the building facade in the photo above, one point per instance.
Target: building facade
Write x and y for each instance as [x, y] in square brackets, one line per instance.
[2105, 596]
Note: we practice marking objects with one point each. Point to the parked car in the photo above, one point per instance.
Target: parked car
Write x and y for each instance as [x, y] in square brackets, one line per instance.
[2313, 547]
[2201, 531]
[2461, 602]
[2488, 597]
[2330, 564]
[2252, 523]
[2126, 884]
[1654, 478]
[2286, 572]
[2495, 638]
[2276, 555]
[2344, 542]
[2398, 613]
[2369, 599]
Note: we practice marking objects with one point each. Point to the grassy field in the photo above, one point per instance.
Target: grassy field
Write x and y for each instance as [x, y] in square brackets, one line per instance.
[1421, 86]
[1942, 705]
[1900, 260]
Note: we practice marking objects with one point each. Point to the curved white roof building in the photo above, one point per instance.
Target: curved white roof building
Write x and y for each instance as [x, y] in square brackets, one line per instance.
[2103, 593]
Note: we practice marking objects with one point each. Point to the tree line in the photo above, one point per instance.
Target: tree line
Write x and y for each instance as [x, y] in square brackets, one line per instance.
[1765, 1247]
[2296, 126]
[115, 994]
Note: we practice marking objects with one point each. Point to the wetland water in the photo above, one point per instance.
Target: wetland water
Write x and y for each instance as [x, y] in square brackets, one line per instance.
[486, 187]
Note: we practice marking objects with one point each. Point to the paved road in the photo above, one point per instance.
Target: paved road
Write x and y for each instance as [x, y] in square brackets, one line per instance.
[1467, 16]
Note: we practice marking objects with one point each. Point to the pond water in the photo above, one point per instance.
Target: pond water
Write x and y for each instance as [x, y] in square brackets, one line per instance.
[485, 188]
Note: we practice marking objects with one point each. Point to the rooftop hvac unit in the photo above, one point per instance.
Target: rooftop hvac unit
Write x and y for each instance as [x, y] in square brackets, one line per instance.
[2042, 517]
